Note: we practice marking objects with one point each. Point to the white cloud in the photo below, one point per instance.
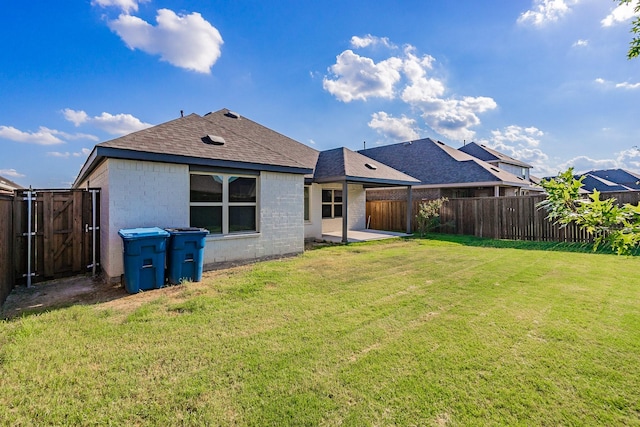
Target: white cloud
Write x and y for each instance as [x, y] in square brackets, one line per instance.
[581, 43]
[369, 40]
[43, 136]
[186, 41]
[623, 85]
[626, 85]
[118, 124]
[359, 78]
[522, 143]
[400, 129]
[582, 164]
[125, 5]
[622, 13]
[453, 117]
[543, 11]
[64, 155]
[356, 77]
[12, 173]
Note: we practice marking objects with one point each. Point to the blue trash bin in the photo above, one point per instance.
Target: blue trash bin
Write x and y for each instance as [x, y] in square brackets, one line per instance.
[144, 258]
[185, 254]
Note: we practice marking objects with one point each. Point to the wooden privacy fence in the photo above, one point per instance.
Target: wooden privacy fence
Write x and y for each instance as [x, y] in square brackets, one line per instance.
[515, 218]
[47, 234]
[6, 246]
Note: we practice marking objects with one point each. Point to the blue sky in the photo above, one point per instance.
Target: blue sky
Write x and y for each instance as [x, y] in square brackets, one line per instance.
[546, 81]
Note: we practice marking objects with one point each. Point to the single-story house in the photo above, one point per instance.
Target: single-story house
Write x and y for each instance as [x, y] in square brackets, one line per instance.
[8, 186]
[444, 171]
[259, 193]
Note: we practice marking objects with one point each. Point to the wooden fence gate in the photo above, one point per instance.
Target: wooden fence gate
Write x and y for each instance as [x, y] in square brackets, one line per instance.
[56, 234]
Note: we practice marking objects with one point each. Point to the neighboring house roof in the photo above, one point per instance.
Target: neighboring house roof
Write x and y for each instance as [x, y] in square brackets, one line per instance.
[619, 176]
[8, 185]
[224, 139]
[342, 164]
[490, 155]
[436, 164]
[592, 182]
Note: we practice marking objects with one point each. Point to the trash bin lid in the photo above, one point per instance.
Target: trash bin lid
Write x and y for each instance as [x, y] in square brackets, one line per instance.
[180, 230]
[137, 233]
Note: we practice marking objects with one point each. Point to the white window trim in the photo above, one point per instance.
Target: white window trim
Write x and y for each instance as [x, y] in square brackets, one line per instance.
[225, 204]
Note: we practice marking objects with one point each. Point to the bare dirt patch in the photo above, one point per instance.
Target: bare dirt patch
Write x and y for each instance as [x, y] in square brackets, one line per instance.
[59, 293]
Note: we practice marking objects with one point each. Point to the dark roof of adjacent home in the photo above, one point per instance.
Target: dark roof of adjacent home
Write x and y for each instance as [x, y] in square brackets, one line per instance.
[224, 139]
[593, 182]
[219, 139]
[490, 155]
[435, 163]
[342, 164]
[8, 185]
[619, 176]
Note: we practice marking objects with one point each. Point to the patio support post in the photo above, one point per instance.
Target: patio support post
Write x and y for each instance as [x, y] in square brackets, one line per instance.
[409, 209]
[345, 214]
[496, 191]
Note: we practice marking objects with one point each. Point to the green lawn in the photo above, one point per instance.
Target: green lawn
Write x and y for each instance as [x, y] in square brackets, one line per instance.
[442, 332]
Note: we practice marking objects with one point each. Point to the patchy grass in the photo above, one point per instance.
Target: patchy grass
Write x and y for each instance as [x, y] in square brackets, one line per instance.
[404, 332]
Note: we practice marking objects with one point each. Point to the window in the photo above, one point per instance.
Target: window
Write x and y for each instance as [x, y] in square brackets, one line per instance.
[307, 205]
[222, 203]
[331, 203]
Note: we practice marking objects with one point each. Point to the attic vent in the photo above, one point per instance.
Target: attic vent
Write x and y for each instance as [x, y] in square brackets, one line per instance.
[495, 170]
[520, 178]
[213, 140]
[371, 166]
[407, 143]
[440, 142]
[232, 115]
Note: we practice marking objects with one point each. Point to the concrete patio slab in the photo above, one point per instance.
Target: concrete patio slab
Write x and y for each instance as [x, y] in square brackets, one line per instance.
[362, 235]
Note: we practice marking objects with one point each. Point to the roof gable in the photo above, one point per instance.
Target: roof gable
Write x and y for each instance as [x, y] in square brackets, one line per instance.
[241, 143]
[342, 164]
[435, 163]
[487, 154]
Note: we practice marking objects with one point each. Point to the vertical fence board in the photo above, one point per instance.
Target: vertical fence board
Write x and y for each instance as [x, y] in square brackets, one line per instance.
[7, 243]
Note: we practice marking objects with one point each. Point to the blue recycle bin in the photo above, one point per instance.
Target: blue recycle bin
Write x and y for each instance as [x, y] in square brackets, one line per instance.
[144, 258]
[185, 255]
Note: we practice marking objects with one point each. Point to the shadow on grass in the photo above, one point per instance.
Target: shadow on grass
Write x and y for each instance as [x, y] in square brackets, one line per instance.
[517, 244]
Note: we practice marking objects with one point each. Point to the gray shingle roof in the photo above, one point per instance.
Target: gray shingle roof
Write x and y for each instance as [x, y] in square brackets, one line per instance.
[592, 182]
[619, 176]
[343, 164]
[487, 154]
[435, 163]
[247, 145]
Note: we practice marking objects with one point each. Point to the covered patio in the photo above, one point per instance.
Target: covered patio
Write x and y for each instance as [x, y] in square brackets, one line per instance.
[343, 167]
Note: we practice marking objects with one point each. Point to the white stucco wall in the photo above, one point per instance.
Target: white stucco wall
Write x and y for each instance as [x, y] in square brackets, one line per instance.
[313, 227]
[147, 194]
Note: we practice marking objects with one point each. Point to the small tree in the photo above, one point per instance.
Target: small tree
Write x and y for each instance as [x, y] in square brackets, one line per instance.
[428, 217]
[608, 223]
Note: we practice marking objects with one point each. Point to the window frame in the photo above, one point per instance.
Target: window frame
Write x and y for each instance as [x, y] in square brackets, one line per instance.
[225, 204]
[333, 203]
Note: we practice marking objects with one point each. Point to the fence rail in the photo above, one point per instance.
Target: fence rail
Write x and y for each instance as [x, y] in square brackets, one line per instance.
[515, 218]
